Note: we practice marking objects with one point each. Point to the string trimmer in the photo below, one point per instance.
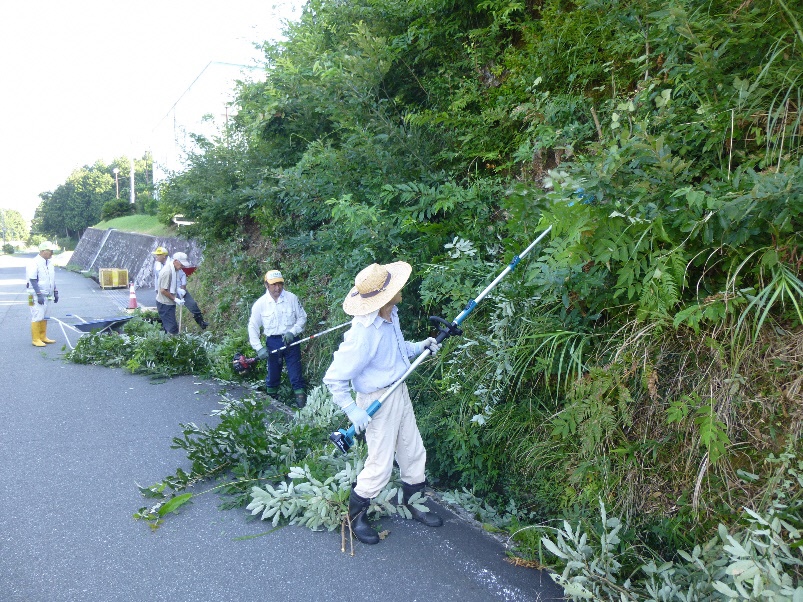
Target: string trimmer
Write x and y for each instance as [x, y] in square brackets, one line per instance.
[344, 439]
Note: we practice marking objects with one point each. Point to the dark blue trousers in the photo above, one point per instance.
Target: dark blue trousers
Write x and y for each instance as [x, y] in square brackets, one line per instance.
[167, 314]
[192, 305]
[291, 356]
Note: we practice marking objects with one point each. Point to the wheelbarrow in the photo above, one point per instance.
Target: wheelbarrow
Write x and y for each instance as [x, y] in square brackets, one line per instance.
[99, 325]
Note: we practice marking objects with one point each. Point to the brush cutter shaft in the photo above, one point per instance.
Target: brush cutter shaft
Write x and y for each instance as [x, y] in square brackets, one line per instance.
[312, 336]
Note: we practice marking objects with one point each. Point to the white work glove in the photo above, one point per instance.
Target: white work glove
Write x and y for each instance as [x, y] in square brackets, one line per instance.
[429, 343]
[359, 417]
[180, 293]
[179, 300]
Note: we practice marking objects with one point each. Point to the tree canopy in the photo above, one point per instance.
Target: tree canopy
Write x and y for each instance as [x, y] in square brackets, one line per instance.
[13, 225]
[91, 194]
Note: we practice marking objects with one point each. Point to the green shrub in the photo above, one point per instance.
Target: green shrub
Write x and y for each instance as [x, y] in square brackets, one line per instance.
[116, 208]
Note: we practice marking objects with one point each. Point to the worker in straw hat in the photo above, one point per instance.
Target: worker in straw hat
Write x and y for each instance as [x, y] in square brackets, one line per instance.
[41, 282]
[372, 356]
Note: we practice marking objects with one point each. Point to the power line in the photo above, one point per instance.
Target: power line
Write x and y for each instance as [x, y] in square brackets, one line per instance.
[210, 63]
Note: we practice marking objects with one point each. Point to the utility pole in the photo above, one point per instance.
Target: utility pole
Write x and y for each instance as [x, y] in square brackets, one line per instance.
[133, 193]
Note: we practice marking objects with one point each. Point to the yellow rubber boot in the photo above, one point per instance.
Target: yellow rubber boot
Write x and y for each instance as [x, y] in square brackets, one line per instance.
[43, 332]
[36, 337]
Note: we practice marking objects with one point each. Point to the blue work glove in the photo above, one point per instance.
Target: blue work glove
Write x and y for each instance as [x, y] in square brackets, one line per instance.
[40, 298]
[55, 296]
[288, 337]
[430, 344]
[359, 417]
[263, 353]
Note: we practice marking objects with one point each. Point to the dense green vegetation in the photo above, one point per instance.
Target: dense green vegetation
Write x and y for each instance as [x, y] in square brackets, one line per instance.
[646, 362]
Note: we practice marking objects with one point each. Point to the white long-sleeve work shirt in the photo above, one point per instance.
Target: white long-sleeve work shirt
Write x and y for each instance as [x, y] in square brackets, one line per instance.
[284, 314]
[44, 271]
[181, 283]
[372, 356]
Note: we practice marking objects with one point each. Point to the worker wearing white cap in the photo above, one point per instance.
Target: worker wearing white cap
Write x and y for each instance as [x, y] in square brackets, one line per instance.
[181, 288]
[41, 276]
[372, 356]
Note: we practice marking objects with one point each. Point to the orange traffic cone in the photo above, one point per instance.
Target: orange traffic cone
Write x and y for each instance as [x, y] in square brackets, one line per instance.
[132, 297]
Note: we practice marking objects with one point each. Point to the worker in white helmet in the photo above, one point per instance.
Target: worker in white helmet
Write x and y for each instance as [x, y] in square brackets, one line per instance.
[41, 282]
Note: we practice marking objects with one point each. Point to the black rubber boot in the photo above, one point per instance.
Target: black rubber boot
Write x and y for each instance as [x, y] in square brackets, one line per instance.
[301, 400]
[358, 514]
[430, 519]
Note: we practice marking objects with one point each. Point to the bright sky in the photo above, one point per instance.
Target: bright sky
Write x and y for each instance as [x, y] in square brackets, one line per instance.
[84, 80]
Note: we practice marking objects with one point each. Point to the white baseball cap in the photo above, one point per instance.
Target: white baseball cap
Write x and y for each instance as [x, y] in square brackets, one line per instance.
[182, 258]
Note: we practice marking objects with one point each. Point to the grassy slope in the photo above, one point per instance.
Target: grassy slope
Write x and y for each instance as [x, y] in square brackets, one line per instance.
[142, 224]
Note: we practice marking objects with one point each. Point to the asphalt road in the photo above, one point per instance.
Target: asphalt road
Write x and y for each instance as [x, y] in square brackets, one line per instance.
[74, 442]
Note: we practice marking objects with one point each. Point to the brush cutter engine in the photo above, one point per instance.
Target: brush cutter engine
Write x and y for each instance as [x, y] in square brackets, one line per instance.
[241, 364]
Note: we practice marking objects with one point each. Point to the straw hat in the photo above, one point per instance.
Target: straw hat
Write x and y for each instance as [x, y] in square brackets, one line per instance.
[375, 286]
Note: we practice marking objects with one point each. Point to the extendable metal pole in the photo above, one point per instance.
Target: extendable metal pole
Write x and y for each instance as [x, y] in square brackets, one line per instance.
[512, 266]
[344, 439]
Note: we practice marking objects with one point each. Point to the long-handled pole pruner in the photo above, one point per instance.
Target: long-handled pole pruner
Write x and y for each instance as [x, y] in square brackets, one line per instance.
[344, 439]
[312, 336]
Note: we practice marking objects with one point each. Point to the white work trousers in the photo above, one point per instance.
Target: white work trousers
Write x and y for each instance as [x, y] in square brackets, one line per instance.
[392, 432]
[39, 312]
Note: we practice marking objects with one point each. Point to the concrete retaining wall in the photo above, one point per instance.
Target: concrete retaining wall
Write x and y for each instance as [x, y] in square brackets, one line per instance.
[100, 249]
